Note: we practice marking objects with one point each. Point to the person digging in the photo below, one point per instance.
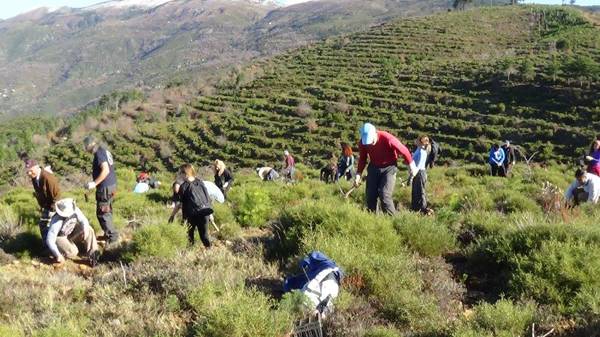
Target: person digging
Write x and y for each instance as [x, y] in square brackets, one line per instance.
[382, 150]
[70, 233]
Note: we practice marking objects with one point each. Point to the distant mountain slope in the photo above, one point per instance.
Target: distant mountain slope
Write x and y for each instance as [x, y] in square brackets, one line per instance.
[56, 61]
[468, 79]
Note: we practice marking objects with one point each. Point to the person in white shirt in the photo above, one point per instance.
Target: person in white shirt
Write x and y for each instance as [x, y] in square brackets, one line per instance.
[586, 187]
[69, 230]
[419, 197]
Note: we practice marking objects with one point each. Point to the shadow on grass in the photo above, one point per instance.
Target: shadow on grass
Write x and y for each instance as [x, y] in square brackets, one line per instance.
[272, 287]
[26, 244]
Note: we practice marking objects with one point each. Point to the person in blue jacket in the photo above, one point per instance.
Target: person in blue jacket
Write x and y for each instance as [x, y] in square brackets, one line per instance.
[496, 160]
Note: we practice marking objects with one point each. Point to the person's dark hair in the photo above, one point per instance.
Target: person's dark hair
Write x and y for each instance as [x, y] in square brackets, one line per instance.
[579, 173]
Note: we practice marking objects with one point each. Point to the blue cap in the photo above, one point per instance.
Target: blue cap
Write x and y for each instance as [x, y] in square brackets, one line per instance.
[368, 134]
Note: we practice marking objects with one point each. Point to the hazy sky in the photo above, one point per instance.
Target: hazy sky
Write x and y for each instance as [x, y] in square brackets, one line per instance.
[10, 8]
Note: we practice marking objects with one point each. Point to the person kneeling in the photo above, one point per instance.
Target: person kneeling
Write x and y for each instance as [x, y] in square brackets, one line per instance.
[70, 233]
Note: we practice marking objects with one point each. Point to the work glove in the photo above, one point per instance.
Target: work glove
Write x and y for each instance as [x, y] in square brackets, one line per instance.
[91, 185]
[590, 158]
[60, 259]
[225, 185]
[413, 168]
[357, 180]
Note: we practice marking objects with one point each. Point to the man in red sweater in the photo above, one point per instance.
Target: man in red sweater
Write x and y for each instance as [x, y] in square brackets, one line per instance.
[383, 151]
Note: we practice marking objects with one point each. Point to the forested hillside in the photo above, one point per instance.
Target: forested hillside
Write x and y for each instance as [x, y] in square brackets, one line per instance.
[527, 74]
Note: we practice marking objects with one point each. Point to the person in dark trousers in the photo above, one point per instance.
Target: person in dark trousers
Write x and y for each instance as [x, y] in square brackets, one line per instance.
[105, 183]
[223, 176]
[382, 150]
[47, 193]
[509, 157]
[496, 160]
[419, 198]
[433, 153]
[346, 162]
[289, 165]
[186, 196]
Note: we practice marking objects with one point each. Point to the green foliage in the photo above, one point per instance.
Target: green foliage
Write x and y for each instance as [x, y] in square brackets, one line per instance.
[252, 206]
[60, 330]
[381, 332]
[236, 312]
[502, 319]
[550, 263]
[163, 240]
[7, 330]
[224, 218]
[424, 235]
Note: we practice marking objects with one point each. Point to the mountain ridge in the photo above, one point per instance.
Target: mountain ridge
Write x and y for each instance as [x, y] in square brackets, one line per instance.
[59, 61]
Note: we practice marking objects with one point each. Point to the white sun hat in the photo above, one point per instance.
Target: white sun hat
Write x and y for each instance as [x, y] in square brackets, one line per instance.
[65, 207]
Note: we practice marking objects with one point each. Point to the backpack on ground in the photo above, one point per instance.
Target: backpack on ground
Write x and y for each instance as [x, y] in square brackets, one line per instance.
[196, 199]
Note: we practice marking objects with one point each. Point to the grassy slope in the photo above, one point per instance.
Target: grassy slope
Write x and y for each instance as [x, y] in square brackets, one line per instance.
[442, 75]
[405, 276]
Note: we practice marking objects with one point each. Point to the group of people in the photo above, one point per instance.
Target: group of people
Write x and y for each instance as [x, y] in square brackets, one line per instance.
[501, 159]
[66, 232]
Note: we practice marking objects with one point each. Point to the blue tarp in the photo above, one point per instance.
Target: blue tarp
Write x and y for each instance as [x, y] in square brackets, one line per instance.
[311, 265]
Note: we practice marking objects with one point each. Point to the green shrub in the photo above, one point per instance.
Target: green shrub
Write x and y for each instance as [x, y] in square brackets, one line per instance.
[513, 201]
[7, 330]
[237, 312]
[503, 319]
[9, 223]
[252, 206]
[424, 234]
[162, 240]
[550, 263]
[60, 330]
[382, 332]
[228, 228]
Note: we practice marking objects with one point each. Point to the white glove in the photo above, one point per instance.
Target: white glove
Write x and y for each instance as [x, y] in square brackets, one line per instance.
[357, 180]
[60, 259]
[91, 185]
[413, 168]
[225, 185]
[589, 158]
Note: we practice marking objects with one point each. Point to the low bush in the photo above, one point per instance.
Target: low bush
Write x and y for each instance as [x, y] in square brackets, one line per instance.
[502, 319]
[225, 220]
[236, 312]
[252, 205]
[163, 240]
[550, 263]
[424, 234]
[382, 332]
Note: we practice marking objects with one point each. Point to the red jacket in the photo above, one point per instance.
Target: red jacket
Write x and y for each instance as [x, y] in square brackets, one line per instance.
[384, 152]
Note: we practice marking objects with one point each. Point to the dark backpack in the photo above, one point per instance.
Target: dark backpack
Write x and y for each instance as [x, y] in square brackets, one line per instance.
[435, 152]
[196, 201]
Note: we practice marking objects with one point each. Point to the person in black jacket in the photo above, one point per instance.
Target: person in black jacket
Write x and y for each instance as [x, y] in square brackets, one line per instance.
[196, 215]
[223, 177]
[509, 157]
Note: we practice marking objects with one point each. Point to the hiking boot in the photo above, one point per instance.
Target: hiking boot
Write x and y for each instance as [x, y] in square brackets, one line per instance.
[94, 258]
[112, 243]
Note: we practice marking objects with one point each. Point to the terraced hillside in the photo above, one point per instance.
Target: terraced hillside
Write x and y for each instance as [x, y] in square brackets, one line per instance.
[528, 74]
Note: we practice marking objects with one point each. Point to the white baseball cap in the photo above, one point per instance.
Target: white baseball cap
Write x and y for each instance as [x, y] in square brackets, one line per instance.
[368, 134]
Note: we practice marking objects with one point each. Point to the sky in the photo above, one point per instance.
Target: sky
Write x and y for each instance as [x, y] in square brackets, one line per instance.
[10, 8]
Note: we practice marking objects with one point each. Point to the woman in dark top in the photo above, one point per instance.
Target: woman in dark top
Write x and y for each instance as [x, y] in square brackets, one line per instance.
[223, 177]
[346, 162]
